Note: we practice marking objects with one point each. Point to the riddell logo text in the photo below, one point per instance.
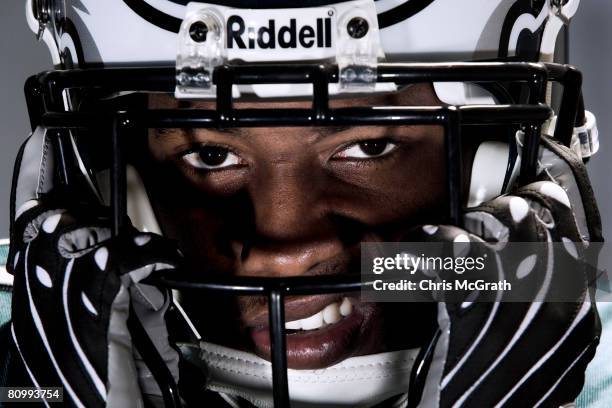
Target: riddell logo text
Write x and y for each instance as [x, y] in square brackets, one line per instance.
[269, 36]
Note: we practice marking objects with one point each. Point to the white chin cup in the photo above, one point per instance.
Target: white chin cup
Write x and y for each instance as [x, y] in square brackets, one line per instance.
[355, 382]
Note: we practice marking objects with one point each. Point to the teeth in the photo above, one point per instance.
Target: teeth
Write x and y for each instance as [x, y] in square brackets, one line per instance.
[294, 325]
[329, 315]
[346, 307]
[313, 322]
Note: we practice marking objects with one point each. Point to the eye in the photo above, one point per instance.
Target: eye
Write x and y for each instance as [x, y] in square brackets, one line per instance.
[210, 157]
[367, 149]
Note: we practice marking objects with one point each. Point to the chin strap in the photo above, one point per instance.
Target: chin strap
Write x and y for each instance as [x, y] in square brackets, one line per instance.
[355, 382]
[585, 138]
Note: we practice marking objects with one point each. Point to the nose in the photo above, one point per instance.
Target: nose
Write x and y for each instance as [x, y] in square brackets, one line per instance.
[278, 260]
[292, 227]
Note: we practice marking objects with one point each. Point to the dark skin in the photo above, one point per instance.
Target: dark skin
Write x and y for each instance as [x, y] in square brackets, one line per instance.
[294, 202]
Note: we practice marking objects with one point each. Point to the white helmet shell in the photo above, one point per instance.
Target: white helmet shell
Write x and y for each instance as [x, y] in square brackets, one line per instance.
[144, 32]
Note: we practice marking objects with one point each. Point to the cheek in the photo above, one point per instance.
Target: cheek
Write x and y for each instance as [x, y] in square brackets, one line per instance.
[403, 190]
[201, 234]
[192, 217]
[421, 182]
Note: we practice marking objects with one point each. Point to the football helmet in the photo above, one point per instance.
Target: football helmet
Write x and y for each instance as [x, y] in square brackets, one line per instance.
[491, 62]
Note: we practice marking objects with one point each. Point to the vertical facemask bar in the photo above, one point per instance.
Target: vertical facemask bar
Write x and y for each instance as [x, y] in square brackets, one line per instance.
[419, 374]
[55, 102]
[454, 174]
[276, 307]
[452, 142]
[320, 93]
[571, 102]
[224, 93]
[118, 174]
[537, 93]
[120, 129]
[278, 348]
[61, 147]
[154, 362]
[33, 96]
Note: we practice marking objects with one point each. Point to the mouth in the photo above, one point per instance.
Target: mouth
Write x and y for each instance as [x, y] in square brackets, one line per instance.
[335, 331]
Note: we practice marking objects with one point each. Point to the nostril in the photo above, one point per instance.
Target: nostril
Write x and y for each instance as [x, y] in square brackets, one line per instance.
[290, 260]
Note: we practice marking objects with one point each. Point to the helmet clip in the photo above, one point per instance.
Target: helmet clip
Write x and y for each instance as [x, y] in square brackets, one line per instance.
[42, 12]
[357, 51]
[200, 50]
[48, 14]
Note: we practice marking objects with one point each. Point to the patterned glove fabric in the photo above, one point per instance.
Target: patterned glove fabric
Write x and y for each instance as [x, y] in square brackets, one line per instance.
[530, 353]
[76, 286]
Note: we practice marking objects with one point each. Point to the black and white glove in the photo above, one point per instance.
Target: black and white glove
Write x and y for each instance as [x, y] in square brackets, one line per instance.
[75, 287]
[534, 353]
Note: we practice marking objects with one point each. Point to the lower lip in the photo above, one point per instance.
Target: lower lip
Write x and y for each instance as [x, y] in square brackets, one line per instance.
[319, 348]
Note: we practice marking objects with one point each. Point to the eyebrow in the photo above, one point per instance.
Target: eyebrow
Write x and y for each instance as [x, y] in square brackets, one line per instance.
[321, 132]
[326, 131]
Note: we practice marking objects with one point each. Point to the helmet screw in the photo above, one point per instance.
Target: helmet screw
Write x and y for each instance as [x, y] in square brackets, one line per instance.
[183, 79]
[198, 31]
[357, 27]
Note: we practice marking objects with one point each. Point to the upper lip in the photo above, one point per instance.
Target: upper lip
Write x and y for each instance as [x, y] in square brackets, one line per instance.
[295, 309]
[299, 307]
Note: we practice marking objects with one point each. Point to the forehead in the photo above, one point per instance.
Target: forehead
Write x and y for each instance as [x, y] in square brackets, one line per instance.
[415, 95]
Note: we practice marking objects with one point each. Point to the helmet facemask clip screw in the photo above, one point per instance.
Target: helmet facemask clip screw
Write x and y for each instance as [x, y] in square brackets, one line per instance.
[198, 31]
[357, 27]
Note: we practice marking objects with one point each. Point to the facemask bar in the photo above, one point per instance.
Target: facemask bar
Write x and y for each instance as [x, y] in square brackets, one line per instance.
[571, 110]
[158, 79]
[45, 93]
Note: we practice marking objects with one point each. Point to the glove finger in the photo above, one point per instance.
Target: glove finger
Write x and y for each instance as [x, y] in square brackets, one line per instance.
[141, 254]
[552, 205]
[530, 214]
[505, 219]
[447, 255]
[60, 316]
[134, 257]
[62, 234]
[34, 173]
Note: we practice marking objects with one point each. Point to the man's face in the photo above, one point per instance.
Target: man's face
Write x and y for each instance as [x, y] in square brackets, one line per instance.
[297, 201]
